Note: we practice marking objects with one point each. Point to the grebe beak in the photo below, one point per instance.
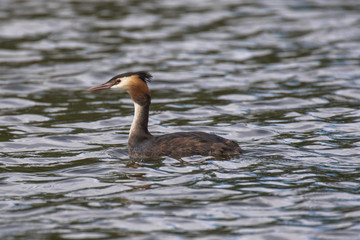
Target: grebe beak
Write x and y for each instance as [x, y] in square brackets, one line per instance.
[100, 87]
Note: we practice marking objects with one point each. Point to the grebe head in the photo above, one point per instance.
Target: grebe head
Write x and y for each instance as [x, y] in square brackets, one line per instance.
[135, 83]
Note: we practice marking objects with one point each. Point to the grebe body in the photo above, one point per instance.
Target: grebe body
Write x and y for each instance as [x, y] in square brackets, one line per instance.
[142, 144]
[181, 144]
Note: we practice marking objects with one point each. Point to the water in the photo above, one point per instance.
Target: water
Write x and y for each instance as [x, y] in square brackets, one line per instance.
[282, 78]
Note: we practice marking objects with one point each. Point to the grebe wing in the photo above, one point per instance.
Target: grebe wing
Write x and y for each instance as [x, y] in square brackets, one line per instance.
[194, 143]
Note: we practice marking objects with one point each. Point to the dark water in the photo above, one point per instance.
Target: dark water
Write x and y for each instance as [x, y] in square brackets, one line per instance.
[282, 78]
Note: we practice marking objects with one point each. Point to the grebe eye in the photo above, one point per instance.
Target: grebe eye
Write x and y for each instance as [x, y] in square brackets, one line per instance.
[118, 81]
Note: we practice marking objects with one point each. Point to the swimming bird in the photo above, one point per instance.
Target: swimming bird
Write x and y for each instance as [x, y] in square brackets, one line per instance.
[142, 144]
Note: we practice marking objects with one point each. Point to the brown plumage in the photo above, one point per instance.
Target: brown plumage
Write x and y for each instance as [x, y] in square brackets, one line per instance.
[142, 144]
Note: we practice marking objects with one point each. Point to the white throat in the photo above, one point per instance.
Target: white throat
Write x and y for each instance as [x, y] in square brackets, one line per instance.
[137, 119]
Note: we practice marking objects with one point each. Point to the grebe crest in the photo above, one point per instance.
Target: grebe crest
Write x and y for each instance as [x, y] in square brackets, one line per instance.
[142, 144]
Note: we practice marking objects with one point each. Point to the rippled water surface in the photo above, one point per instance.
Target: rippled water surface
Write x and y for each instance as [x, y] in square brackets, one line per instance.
[282, 78]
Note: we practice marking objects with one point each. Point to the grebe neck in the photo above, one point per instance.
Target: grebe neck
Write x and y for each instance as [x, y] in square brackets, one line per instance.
[139, 127]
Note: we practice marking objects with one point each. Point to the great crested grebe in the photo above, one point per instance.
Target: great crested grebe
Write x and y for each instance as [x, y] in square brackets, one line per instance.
[142, 144]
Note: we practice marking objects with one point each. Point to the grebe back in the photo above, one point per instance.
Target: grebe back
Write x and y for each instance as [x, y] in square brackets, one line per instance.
[142, 144]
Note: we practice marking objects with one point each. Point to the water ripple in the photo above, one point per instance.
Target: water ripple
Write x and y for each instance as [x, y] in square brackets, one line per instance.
[281, 78]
